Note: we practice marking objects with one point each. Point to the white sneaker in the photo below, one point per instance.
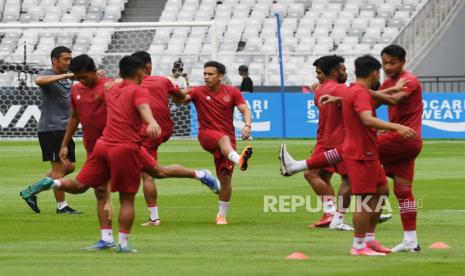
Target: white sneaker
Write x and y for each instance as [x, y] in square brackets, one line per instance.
[384, 217]
[341, 226]
[286, 160]
[406, 247]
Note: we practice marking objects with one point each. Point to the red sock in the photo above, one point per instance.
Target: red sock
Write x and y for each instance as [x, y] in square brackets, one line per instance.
[408, 209]
[324, 159]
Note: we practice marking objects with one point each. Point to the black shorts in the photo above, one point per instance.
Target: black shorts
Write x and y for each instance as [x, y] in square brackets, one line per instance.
[50, 143]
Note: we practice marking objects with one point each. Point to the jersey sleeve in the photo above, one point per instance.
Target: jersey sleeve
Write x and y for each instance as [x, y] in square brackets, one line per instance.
[411, 85]
[362, 102]
[141, 96]
[73, 94]
[340, 91]
[172, 89]
[193, 93]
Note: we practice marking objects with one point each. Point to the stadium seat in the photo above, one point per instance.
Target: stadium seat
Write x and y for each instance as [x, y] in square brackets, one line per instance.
[317, 26]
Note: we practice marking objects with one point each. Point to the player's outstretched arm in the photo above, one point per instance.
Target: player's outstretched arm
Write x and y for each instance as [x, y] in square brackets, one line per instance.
[179, 95]
[71, 127]
[393, 95]
[184, 98]
[244, 109]
[327, 99]
[370, 121]
[153, 129]
[45, 80]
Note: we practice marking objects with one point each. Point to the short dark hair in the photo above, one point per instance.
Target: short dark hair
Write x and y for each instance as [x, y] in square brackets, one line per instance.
[365, 65]
[394, 50]
[329, 63]
[219, 66]
[144, 56]
[82, 63]
[316, 63]
[56, 52]
[244, 68]
[129, 65]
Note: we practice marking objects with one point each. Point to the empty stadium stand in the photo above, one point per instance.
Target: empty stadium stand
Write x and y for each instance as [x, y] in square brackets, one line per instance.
[247, 32]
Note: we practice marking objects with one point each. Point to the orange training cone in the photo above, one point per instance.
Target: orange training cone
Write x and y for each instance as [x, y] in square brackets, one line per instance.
[439, 245]
[297, 256]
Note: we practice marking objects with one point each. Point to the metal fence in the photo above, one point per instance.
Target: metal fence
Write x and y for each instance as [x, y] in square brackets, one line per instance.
[442, 83]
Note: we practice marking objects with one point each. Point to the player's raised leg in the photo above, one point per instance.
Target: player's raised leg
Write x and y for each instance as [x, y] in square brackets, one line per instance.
[227, 150]
[155, 170]
[172, 171]
[290, 166]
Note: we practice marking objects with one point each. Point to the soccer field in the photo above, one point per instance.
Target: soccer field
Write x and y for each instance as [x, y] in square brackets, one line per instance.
[254, 242]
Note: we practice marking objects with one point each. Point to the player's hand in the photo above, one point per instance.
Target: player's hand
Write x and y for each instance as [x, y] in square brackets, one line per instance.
[69, 76]
[64, 155]
[153, 130]
[187, 90]
[326, 99]
[313, 87]
[245, 133]
[101, 73]
[400, 84]
[406, 132]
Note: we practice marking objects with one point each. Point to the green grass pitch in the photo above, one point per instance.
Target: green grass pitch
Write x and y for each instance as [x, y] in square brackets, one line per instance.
[255, 242]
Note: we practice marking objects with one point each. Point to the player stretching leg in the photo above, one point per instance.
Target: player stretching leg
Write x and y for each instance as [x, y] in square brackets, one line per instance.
[215, 104]
[88, 109]
[398, 154]
[332, 75]
[361, 156]
[320, 179]
[160, 89]
[117, 154]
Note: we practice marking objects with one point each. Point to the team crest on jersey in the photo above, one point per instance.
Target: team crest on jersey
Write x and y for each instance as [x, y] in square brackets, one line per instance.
[227, 98]
[209, 98]
[78, 97]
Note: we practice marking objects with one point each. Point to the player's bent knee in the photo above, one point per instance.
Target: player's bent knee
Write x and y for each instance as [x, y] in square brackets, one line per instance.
[69, 168]
[383, 190]
[402, 191]
[101, 193]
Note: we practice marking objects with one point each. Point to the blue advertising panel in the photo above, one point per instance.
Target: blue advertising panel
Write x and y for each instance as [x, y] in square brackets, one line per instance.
[443, 115]
[266, 115]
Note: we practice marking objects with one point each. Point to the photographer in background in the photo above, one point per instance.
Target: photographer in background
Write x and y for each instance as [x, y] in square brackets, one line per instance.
[177, 77]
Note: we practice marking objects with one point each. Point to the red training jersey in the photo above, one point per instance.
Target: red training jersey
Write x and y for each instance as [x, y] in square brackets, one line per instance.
[216, 108]
[91, 110]
[160, 89]
[408, 113]
[330, 132]
[123, 118]
[360, 141]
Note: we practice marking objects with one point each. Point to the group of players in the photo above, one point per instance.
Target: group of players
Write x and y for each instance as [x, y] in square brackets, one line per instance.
[364, 149]
[124, 121]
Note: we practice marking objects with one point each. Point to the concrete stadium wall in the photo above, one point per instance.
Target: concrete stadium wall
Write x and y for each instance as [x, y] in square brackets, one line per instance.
[447, 57]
